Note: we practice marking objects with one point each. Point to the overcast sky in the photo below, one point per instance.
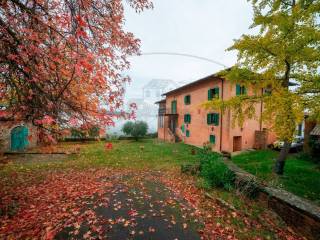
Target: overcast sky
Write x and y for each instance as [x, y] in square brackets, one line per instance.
[203, 28]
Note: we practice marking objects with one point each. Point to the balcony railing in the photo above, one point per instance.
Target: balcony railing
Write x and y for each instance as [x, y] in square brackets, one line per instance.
[167, 111]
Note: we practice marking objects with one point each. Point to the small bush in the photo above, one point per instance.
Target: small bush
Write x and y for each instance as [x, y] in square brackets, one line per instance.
[215, 172]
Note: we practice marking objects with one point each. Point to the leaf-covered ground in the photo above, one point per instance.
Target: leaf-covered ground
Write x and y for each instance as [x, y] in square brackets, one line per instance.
[132, 191]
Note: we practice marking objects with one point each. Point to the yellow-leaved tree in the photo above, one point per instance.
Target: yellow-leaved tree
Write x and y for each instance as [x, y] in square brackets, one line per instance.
[286, 50]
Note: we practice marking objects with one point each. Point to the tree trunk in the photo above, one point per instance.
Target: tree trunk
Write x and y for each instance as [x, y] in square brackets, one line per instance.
[281, 160]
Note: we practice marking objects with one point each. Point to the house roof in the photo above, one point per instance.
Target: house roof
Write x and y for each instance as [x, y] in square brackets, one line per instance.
[316, 130]
[161, 101]
[159, 84]
[205, 79]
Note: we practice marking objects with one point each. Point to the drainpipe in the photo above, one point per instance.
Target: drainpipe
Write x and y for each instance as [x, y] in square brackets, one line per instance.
[221, 118]
[261, 109]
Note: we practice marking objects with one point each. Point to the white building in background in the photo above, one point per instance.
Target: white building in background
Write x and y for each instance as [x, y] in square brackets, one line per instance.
[146, 109]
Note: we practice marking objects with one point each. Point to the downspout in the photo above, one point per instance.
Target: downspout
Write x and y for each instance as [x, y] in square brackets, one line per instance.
[221, 118]
[261, 109]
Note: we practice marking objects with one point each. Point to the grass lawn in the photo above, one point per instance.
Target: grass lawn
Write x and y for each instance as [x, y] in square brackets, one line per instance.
[56, 180]
[301, 177]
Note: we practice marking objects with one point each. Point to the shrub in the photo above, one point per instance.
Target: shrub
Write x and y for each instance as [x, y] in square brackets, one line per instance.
[135, 129]
[215, 172]
[314, 143]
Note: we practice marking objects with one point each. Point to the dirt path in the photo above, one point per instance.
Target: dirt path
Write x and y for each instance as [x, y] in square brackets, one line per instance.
[136, 209]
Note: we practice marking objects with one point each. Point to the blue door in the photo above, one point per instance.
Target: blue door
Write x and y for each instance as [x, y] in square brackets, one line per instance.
[19, 138]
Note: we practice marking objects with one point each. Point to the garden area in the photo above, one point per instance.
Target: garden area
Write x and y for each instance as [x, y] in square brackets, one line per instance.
[302, 175]
[127, 190]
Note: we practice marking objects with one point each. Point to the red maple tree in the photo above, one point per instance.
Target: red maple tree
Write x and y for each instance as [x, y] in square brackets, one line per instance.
[62, 60]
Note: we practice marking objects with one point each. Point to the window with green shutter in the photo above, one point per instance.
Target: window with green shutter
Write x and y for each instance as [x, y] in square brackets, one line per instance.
[187, 118]
[174, 107]
[182, 128]
[241, 90]
[187, 133]
[212, 139]
[213, 119]
[187, 99]
[213, 93]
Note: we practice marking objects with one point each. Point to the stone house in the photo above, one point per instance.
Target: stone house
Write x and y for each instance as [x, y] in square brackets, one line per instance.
[17, 135]
[181, 118]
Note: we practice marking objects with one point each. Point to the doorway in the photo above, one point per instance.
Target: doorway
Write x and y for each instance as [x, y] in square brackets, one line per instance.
[237, 143]
[19, 138]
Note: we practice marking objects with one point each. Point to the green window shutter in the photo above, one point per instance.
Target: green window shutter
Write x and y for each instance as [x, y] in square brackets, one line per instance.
[209, 95]
[244, 90]
[187, 118]
[238, 90]
[208, 118]
[187, 99]
[174, 107]
[188, 133]
[182, 128]
[212, 139]
[217, 92]
[216, 119]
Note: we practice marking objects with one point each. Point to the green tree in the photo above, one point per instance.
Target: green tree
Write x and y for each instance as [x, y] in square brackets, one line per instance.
[137, 129]
[286, 48]
[94, 131]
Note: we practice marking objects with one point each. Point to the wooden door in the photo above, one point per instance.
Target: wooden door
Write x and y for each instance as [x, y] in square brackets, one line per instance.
[237, 143]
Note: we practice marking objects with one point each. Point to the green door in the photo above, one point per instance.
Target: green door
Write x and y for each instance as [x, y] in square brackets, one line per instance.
[19, 138]
[174, 107]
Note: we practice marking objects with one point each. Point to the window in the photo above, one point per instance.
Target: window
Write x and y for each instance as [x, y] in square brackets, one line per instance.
[187, 100]
[240, 90]
[161, 121]
[187, 133]
[213, 93]
[147, 93]
[300, 129]
[187, 118]
[267, 91]
[174, 107]
[212, 139]
[213, 119]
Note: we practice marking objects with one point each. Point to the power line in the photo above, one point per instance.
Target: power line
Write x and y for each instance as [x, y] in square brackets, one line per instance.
[183, 55]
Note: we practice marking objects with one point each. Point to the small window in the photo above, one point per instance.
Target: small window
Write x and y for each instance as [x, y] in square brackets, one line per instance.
[213, 93]
[187, 100]
[213, 119]
[187, 133]
[267, 91]
[241, 90]
[212, 139]
[187, 118]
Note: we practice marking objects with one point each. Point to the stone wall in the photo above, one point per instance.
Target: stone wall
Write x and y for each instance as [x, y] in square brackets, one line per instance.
[5, 134]
[300, 214]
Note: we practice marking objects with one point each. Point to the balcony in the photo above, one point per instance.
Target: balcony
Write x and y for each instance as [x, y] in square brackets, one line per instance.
[167, 111]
